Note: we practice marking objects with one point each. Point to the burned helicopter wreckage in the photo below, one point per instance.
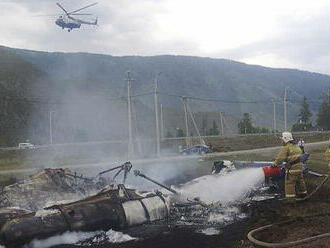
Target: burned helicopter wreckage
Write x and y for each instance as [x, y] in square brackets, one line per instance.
[50, 186]
[114, 207]
[47, 185]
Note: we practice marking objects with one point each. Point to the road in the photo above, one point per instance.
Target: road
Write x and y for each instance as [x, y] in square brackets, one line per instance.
[166, 159]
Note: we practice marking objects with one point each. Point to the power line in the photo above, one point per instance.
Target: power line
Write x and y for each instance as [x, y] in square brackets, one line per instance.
[210, 99]
[236, 102]
[45, 100]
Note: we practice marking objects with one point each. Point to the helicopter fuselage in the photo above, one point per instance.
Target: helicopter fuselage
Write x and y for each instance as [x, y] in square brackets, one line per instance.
[66, 23]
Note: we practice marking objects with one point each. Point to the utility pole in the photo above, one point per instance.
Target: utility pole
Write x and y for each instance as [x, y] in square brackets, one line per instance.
[184, 101]
[274, 117]
[50, 127]
[162, 124]
[156, 116]
[195, 125]
[284, 106]
[129, 111]
[221, 123]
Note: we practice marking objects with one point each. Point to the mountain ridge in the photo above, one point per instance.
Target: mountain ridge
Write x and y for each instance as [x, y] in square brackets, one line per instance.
[78, 77]
[165, 55]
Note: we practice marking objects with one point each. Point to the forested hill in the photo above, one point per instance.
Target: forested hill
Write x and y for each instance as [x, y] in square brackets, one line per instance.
[19, 80]
[94, 75]
[190, 76]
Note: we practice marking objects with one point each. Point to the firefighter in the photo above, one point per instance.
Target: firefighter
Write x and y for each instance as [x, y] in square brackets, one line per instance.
[291, 155]
[327, 155]
[301, 144]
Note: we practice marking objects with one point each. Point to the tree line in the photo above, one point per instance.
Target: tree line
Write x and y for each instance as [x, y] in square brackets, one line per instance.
[303, 123]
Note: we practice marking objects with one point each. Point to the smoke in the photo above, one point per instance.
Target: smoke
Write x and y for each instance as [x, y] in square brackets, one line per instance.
[88, 238]
[118, 237]
[224, 188]
[210, 231]
[67, 238]
[164, 172]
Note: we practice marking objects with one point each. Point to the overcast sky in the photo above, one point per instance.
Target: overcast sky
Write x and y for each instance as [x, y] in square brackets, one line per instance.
[276, 33]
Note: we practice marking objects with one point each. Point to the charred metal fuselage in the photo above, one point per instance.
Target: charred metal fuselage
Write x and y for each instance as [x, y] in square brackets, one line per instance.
[111, 209]
[48, 185]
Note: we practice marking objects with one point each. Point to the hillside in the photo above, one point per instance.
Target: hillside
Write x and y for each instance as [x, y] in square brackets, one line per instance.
[18, 80]
[189, 76]
[82, 83]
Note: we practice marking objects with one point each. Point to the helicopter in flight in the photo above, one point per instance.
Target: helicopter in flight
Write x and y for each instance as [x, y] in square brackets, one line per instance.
[68, 20]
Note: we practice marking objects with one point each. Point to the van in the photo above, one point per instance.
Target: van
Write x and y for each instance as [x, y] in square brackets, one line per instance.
[26, 146]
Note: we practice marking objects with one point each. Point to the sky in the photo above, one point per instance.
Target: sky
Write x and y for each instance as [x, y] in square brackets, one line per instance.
[281, 33]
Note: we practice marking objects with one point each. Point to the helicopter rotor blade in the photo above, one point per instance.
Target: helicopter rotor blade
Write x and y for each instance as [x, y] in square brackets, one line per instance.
[81, 14]
[59, 5]
[75, 11]
[47, 15]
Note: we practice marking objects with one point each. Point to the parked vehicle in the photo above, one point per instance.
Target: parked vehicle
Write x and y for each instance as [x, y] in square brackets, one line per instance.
[26, 146]
[196, 150]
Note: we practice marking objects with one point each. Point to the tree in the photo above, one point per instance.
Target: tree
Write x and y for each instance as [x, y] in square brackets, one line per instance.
[305, 113]
[214, 130]
[304, 123]
[245, 125]
[81, 135]
[323, 117]
[204, 124]
[179, 133]
[169, 135]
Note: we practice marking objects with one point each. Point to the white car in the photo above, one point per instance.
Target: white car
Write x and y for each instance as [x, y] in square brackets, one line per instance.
[26, 146]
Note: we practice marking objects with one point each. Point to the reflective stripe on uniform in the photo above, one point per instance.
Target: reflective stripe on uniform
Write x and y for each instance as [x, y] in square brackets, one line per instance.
[294, 171]
[290, 195]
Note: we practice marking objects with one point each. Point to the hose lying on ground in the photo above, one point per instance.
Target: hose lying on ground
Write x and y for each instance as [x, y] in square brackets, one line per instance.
[291, 243]
[285, 244]
[326, 177]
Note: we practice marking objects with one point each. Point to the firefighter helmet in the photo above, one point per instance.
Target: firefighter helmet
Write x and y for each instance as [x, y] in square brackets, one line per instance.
[286, 137]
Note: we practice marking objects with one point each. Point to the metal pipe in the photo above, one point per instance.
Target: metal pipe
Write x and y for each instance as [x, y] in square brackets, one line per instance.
[138, 173]
[184, 101]
[285, 108]
[156, 117]
[106, 171]
[130, 152]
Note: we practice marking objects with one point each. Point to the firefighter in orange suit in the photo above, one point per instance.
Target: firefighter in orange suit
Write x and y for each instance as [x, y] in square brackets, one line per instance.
[291, 155]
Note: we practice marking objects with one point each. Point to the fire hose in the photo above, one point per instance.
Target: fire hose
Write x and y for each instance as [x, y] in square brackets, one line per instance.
[286, 244]
[291, 243]
[326, 177]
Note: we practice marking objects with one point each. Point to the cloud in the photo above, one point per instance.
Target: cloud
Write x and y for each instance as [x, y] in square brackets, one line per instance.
[301, 43]
[273, 33]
